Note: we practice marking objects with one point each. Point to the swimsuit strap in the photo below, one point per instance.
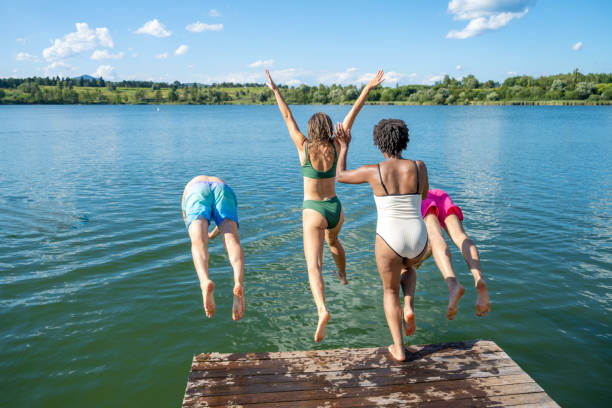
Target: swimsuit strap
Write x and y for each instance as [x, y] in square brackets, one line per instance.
[381, 182]
[417, 174]
[306, 153]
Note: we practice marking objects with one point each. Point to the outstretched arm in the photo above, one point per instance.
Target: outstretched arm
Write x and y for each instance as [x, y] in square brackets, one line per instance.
[357, 176]
[350, 117]
[294, 131]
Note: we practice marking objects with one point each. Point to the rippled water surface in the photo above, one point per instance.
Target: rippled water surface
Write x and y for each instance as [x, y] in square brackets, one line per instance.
[100, 304]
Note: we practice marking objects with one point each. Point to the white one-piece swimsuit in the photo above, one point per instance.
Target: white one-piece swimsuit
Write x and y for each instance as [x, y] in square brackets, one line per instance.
[400, 223]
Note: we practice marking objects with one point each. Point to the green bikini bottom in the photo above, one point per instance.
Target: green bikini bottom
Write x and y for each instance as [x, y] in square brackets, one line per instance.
[331, 209]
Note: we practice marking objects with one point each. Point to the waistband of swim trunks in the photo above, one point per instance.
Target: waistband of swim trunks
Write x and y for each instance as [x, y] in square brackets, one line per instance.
[211, 183]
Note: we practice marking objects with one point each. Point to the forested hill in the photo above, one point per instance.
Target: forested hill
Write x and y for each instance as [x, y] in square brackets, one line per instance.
[572, 88]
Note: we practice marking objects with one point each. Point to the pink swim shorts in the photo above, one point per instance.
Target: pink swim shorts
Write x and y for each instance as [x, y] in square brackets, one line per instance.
[441, 202]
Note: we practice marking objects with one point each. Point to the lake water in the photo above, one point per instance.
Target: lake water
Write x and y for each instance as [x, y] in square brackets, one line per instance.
[100, 304]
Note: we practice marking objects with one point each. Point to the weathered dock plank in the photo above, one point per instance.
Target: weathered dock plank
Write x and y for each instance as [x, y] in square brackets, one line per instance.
[473, 373]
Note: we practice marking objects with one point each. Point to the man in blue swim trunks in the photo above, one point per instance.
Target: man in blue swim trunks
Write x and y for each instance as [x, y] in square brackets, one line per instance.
[207, 198]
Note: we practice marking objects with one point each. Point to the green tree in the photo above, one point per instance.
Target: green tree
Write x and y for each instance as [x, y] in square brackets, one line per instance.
[584, 89]
[139, 95]
[470, 82]
[172, 96]
[558, 85]
[387, 95]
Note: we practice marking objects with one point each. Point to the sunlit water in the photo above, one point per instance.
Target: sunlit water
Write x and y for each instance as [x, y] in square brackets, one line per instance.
[100, 304]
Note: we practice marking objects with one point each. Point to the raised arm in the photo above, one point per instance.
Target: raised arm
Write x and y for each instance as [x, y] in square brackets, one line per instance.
[350, 117]
[294, 131]
[357, 176]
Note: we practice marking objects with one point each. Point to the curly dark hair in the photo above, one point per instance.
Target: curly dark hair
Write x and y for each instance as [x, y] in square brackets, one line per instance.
[391, 136]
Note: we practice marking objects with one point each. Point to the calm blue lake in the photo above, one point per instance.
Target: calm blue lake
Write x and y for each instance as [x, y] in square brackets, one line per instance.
[100, 304]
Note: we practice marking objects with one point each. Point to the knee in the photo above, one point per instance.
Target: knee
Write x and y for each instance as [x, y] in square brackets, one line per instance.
[466, 242]
[389, 290]
[332, 241]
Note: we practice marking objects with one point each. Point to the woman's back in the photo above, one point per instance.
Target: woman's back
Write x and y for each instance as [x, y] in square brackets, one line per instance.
[398, 177]
[399, 207]
[319, 170]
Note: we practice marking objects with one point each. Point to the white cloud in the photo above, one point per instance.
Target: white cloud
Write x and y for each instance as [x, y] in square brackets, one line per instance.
[21, 40]
[99, 55]
[432, 79]
[154, 28]
[511, 73]
[296, 77]
[181, 50]
[214, 13]
[577, 46]
[162, 55]
[289, 76]
[198, 27]
[261, 63]
[58, 68]
[458, 67]
[485, 15]
[391, 77]
[83, 39]
[24, 56]
[104, 71]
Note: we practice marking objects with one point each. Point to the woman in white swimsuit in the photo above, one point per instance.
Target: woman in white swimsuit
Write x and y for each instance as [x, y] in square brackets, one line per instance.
[398, 185]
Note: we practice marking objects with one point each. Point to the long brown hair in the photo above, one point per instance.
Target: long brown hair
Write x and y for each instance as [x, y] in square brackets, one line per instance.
[320, 129]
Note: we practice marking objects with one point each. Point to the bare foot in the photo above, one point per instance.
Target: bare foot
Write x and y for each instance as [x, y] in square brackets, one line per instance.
[397, 354]
[483, 306]
[454, 294]
[209, 298]
[238, 308]
[341, 277]
[322, 326]
[409, 323]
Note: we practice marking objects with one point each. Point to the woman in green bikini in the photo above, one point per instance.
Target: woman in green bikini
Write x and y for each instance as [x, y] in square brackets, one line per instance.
[322, 214]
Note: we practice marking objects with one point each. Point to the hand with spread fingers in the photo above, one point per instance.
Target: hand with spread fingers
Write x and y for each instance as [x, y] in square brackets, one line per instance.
[377, 80]
[343, 136]
[270, 82]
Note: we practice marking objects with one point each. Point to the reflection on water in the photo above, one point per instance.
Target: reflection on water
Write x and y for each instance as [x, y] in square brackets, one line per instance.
[99, 299]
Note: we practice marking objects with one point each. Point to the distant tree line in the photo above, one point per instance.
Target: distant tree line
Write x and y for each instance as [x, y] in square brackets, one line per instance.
[575, 86]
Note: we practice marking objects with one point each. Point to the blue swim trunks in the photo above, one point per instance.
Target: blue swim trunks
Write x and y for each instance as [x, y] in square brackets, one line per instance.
[210, 199]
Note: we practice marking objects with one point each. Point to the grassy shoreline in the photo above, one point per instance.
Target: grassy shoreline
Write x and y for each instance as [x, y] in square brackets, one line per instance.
[229, 96]
[573, 89]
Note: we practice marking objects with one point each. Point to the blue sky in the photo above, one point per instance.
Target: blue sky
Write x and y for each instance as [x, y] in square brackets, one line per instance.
[414, 41]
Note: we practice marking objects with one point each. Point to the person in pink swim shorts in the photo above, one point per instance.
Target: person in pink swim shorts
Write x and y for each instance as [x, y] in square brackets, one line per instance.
[439, 211]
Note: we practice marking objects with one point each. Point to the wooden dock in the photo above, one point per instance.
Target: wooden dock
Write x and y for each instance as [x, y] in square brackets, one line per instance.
[471, 373]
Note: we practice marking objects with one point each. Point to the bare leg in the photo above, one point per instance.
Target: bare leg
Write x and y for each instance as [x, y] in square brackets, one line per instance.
[231, 241]
[314, 225]
[198, 232]
[337, 250]
[390, 268]
[408, 284]
[442, 256]
[470, 254]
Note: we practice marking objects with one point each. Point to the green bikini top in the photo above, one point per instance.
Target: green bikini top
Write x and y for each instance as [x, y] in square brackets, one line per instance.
[311, 172]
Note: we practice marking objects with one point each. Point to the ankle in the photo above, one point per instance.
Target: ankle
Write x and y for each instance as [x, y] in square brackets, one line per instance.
[452, 282]
[238, 290]
[204, 285]
[480, 284]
